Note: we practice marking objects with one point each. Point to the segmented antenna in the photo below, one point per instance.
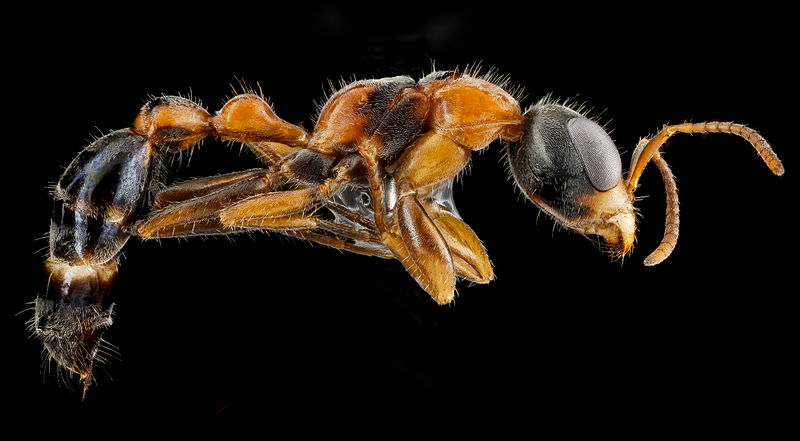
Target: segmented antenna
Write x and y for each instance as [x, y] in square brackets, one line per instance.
[672, 223]
[647, 150]
[644, 152]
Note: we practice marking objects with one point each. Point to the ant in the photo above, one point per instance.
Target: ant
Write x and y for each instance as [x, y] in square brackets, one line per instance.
[373, 177]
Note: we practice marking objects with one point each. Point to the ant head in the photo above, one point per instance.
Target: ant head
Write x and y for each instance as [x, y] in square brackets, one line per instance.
[570, 168]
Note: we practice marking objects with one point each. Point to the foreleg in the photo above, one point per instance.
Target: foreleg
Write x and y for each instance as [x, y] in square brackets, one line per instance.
[412, 235]
[470, 260]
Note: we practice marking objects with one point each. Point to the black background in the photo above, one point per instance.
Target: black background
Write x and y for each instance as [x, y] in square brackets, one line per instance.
[278, 333]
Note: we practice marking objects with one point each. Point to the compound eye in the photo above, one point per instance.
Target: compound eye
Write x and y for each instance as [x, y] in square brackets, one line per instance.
[597, 151]
[562, 159]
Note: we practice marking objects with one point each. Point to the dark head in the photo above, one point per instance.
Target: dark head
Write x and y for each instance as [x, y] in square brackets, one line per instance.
[570, 168]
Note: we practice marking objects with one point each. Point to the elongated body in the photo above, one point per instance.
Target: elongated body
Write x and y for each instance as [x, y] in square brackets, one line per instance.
[373, 177]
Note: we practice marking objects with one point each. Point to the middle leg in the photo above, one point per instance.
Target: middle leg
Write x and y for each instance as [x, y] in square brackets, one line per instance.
[192, 208]
[253, 211]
